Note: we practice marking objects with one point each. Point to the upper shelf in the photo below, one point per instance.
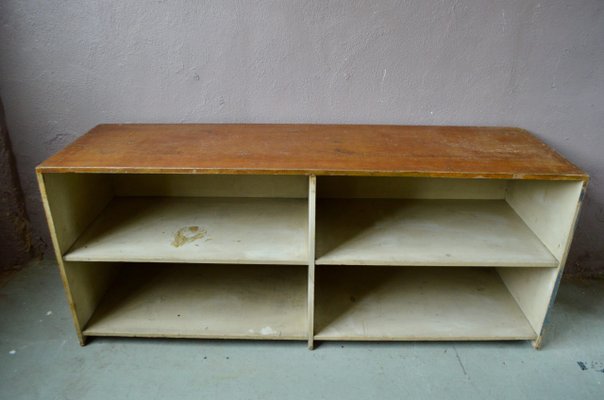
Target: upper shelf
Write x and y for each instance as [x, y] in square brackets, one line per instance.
[480, 233]
[430, 151]
[195, 230]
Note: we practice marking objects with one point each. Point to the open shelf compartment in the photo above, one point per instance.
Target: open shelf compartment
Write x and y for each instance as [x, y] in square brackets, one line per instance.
[196, 229]
[426, 232]
[442, 222]
[203, 301]
[415, 303]
[162, 218]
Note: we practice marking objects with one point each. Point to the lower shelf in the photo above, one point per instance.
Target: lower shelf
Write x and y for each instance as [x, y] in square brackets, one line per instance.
[270, 302]
[407, 303]
[204, 301]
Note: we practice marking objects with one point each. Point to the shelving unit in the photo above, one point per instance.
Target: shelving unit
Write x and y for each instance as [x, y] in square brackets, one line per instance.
[310, 232]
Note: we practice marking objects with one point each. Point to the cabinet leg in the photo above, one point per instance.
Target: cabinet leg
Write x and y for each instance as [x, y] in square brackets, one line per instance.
[537, 342]
[83, 340]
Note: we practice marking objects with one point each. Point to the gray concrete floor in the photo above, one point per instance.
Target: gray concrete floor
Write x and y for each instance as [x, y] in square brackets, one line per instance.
[40, 358]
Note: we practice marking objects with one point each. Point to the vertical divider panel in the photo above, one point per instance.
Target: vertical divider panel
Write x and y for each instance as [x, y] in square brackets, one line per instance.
[312, 203]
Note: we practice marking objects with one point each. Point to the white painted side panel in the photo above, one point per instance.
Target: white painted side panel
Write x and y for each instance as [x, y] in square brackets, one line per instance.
[88, 282]
[532, 289]
[74, 200]
[550, 209]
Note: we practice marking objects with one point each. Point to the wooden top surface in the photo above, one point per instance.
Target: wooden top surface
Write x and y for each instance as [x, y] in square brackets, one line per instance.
[386, 150]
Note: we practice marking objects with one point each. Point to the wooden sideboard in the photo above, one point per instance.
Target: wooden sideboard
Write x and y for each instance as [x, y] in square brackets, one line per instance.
[310, 232]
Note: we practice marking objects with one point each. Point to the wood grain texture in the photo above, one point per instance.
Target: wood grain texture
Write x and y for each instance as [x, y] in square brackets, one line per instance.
[462, 152]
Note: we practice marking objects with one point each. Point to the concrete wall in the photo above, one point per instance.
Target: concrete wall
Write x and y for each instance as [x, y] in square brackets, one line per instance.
[66, 66]
[15, 236]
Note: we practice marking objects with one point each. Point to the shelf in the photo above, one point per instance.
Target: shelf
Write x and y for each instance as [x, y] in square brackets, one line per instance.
[194, 230]
[406, 303]
[204, 301]
[426, 232]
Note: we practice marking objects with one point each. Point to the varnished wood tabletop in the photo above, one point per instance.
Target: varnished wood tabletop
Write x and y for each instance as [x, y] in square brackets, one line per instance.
[385, 150]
